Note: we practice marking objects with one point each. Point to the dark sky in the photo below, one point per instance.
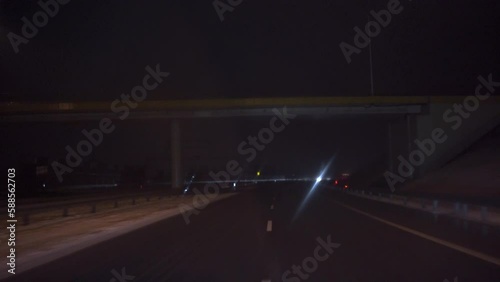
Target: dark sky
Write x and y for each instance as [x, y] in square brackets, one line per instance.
[95, 50]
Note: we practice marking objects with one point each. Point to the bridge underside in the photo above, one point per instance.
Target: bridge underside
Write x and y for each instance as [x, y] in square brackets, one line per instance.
[218, 113]
[206, 108]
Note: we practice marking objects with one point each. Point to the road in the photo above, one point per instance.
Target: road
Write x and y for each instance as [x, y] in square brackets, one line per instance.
[259, 235]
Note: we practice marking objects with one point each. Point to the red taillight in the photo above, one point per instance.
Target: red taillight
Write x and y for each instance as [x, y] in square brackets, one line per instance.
[336, 182]
[346, 186]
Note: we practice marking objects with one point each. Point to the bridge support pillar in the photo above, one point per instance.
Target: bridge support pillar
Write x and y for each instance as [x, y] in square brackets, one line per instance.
[390, 149]
[175, 148]
[409, 135]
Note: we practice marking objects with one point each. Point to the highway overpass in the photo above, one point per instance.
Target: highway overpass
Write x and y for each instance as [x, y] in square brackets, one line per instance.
[410, 118]
[313, 106]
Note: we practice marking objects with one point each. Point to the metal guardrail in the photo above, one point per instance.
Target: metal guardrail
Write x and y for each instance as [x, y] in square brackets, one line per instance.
[472, 212]
[63, 209]
[91, 205]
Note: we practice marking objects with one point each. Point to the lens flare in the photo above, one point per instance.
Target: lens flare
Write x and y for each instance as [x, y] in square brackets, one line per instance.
[311, 190]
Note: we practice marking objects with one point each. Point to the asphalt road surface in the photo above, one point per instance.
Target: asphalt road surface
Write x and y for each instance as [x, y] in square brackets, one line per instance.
[276, 233]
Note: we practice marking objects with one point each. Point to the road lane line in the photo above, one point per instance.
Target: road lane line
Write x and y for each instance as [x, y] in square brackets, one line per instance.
[266, 280]
[272, 207]
[445, 243]
[269, 225]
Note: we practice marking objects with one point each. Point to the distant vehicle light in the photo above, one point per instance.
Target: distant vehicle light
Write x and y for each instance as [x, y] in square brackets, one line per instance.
[318, 179]
[346, 186]
[234, 184]
[336, 182]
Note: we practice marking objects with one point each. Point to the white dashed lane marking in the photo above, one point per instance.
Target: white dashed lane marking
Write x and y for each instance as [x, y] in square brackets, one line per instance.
[269, 225]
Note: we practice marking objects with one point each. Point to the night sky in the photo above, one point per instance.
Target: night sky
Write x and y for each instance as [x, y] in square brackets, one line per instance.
[96, 50]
